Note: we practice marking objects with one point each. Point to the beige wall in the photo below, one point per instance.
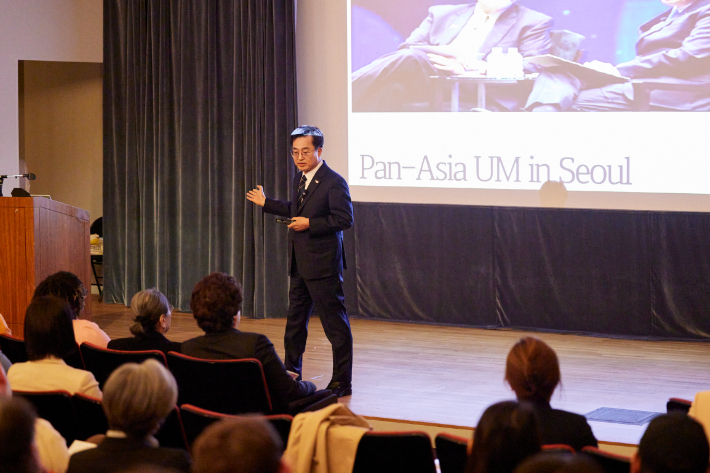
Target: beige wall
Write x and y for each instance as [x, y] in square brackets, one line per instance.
[61, 135]
[40, 30]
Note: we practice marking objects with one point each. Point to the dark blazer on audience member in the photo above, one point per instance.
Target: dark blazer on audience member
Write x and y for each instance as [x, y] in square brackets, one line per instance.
[118, 454]
[150, 341]
[557, 426]
[234, 344]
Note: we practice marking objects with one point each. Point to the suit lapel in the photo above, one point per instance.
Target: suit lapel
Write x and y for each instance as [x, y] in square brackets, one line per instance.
[456, 24]
[315, 182]
[504, 23]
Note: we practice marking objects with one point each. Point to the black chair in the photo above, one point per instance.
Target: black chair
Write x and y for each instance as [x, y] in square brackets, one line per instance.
[90, 415]
[13, 348]
[558, 448]
[609, 462]
[195, 420]
[643, 88]
[75, 360]
[678, 404]
[452, 452]
[172, 432]
[394, 452]
[224, 386]
[55, 407]
[103, 361]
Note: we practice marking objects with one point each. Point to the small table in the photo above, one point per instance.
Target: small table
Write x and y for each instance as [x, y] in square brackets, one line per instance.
[481, 83]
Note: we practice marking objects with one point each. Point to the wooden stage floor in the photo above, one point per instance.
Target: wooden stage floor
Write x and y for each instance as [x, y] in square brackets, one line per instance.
[447, 376]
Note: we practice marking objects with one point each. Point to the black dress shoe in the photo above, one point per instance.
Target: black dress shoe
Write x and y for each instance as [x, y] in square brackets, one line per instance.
[341, 390]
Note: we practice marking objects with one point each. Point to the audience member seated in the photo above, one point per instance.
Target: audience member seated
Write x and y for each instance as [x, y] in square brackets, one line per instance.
[246, 445]
[216, 305]
[17, 452]
[4, 330]
[556, 462]
[51, 446]
[672, 443]
[533, 372]
[137, 399]
[151, 322]
[49, 338]
[700, 410]
[67, 286]
[506, 435]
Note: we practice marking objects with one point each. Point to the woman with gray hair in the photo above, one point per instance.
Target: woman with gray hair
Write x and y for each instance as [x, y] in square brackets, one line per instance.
[137, 399]
[152, 320]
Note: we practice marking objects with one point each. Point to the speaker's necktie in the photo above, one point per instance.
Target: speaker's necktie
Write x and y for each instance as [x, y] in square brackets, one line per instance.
[301, 189]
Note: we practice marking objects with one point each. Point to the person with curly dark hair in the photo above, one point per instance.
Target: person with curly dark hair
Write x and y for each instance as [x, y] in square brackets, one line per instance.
[533, 372]
[68, 286]
[216, 306]
[153, 316]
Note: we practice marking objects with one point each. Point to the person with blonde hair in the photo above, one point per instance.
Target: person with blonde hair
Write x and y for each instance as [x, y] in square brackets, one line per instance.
[152, 319]
[137, 399]
[533, 372]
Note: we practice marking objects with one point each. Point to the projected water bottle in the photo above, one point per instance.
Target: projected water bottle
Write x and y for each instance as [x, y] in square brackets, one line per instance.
[514, 64]
[496, 63]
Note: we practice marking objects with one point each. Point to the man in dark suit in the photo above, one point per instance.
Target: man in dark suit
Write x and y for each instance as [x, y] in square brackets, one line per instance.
[473, 30]
[673, 48]
[320, 209]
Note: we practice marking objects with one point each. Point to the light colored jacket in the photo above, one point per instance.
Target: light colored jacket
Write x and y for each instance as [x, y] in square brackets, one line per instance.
[325, 441]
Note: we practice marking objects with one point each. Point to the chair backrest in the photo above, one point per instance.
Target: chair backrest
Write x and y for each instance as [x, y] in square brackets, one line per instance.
[89, 414]
[196, 419]
[452, 452]
[678, 404]
[172, 432]
[75, 360]
[609, 462]
[55, 407]
[224, 386]
[394, 452]
[13, 348]
[103, 361]
[558, 447]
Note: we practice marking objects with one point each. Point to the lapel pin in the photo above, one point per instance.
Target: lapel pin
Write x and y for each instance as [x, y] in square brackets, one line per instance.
[316, 182]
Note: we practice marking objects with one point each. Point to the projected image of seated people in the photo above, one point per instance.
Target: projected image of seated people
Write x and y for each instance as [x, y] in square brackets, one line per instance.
[530, 55]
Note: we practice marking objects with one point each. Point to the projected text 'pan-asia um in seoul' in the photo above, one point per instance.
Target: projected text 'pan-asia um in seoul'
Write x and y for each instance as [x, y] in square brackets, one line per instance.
[499, 169]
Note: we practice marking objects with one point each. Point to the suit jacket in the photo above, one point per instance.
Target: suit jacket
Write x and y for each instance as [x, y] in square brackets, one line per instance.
[700, 410]
[119, 454]
[150, 341]
[319, 250]
[557, 426]
[517, 27]
[233, 344]
[676, 51]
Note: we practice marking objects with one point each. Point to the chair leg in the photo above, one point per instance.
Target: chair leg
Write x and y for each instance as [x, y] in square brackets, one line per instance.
[98, 284]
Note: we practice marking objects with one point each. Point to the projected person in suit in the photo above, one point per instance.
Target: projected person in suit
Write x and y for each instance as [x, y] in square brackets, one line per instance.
[320, 209]
[473, 29]
[672, 48]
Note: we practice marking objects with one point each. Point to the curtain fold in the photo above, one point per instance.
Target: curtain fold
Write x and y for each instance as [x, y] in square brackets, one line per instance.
[199, 102]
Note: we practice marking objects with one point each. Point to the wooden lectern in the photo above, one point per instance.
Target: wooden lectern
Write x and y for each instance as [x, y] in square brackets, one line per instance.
[39, 237]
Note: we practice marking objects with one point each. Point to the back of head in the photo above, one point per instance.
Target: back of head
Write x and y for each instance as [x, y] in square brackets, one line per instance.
[532, 370]
[674, 443]
[64, 285]
[17, 426]
[246, 445]
[506, 435]
[138, 397]
[147, 307]
[48, 328]
[216, 299]
[559, 462]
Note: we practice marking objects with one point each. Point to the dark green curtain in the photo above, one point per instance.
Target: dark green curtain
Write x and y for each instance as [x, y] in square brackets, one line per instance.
[199, 102]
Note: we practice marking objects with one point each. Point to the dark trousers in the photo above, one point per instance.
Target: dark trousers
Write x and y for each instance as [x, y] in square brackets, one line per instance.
[326, 294]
